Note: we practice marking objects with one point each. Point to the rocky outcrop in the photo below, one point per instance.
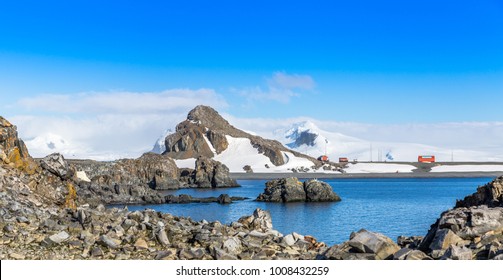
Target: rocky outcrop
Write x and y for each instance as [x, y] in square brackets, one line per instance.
[292, 190]
[478, 229]
[208, 173]
[153, 170]
[13, 151]
[127, 181]
[490, 194]
[185, 198]
[206, 131]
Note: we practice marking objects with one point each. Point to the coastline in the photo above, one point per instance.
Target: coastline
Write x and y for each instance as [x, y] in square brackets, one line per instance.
[269, 176]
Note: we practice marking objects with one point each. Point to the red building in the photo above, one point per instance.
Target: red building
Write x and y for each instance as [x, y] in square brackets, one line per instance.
[428, 159]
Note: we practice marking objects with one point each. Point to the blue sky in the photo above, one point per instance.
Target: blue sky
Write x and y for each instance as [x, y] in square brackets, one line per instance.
[379, 62]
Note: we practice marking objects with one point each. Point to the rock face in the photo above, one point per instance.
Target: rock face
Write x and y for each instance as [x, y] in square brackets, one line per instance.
[490, 194]
[208, 173]
[13, 151]
[205, 131]
[127, 180]
[292, 190]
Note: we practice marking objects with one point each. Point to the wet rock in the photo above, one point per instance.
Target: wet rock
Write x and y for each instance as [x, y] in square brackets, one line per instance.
[224, 199]
[292, 190]
[319, 191]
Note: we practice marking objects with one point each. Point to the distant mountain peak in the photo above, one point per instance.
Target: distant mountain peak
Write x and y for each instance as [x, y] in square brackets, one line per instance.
[206, 133]
[302, 133]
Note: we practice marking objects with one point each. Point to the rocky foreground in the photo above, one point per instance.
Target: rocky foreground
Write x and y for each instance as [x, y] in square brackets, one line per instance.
[48, 212]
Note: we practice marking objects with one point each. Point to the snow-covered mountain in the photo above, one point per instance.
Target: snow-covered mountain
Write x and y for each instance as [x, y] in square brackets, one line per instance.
[306, 137]
[206, 133]
[49, 143]
[160, 144]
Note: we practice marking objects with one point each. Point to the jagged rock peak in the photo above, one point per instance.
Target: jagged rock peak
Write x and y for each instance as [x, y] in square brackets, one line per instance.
[208, 117]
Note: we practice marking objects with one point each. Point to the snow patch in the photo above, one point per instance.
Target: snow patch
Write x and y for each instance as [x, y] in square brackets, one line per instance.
[468, 168]
[186, 163]
[379, 168]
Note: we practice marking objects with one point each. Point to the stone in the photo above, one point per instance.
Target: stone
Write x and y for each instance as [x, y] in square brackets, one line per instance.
[109, 242]
[219, 254]
[374, 243]
[162, 237]
[97, 252]
[232, 245]
[224, 199]
[57, 165]
[283, 190]
[56, 239]
[141, 244]
[317, 191]
[458, 253]
[17, 256]
[288, 240]
[443, 239]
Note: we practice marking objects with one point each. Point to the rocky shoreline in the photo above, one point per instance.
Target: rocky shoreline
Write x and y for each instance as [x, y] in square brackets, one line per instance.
[48, 211]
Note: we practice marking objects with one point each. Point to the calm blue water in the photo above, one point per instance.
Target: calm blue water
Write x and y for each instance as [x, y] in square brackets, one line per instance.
[391, 206]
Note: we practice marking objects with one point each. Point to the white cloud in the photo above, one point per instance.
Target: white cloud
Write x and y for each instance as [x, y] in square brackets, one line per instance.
[124, 102]
[280, 88]
[283, 80]
[105, 125]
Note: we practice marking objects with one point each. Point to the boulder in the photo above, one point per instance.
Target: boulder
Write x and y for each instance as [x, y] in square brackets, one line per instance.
[374, 243]
[57, 165]
[210, 173]
[224, 199]
[319, 191]
[292, 190]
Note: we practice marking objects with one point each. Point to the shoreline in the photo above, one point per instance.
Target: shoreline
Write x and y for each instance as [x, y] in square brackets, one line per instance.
[418, 175]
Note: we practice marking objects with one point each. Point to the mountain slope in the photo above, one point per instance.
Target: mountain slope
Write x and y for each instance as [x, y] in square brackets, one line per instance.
[206, 133]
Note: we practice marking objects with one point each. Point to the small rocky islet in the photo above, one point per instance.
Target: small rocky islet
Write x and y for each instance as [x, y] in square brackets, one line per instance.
[49, 210]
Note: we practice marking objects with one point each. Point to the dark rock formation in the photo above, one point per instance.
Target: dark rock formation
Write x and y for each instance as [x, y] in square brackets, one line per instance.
[185, 198]
[203, 122]
[304, 138]
[208, 173]
[319, 191]
[490, 194]
[292, 190]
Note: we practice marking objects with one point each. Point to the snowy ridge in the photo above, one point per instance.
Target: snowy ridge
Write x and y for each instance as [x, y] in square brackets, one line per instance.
[339, 145]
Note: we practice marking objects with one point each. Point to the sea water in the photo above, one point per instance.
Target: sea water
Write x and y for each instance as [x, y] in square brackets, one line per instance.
[393, 207]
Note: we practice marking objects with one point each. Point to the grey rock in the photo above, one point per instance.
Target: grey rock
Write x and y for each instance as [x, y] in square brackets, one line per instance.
[232, 245]
[109, 242]
[317, 191]
[373, 243]
[458, 253]
[162, 237]
[57, 165]
[224, 199]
